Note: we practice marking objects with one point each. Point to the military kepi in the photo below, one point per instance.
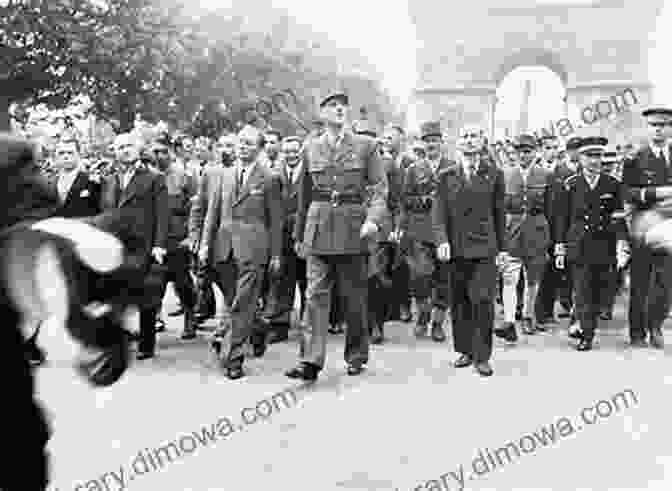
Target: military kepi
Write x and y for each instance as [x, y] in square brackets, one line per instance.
[525, 141]
[334, 93]
[430, 128]
[593, 144]
[657, 111]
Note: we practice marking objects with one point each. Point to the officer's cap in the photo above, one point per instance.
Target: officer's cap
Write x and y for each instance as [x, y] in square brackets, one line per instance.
[292, 139]
[593, 144]
[273, 131]
[334, 93]
[657, 111]
[364, 127]
[573, 143]
[609, 158]
[430, 128]
[395, 127]
[525, 141]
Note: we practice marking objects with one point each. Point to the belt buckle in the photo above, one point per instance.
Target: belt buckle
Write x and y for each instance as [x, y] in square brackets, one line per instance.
[335, 196]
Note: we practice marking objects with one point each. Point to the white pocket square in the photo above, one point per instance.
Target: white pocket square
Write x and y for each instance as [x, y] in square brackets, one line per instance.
[257, 191]
[85, 194]
[605, 196]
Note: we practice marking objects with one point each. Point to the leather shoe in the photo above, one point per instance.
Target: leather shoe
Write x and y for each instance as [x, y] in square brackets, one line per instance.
[355, 368]
[638, 343]
[527, 326]
[144, 355]
[656, 339]
[234, 373]
[376, 335]
[304, 371]
[405, 314]
[484, 369]
[437, 333]
[507, 332]
[463, 361]
[584, 345]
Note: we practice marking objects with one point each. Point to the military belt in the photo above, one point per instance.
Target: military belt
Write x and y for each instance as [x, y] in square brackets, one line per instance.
[337, 198]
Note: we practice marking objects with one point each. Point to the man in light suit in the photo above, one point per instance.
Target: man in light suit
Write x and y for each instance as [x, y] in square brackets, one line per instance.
[136, 204]
[241, 231]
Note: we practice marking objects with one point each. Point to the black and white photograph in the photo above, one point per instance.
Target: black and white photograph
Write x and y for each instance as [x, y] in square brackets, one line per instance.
[352, 246]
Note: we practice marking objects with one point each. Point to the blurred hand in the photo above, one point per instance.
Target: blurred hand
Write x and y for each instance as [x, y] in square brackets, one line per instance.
[274, 266]
[396, 235]
[300, 250]
[159, 253]
[368, 230]
[443, 252]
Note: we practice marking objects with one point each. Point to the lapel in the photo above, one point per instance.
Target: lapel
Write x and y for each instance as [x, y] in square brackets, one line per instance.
[78, 185]
[133, 187]
[345, 148]
[515, 181]
[250, 181]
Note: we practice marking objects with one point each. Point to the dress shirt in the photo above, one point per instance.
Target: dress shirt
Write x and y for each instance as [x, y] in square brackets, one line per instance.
[525, 173]
[293, 173]
[127, 176]
[663, 151]
[243, 173]
[591, 179]
[65, 182]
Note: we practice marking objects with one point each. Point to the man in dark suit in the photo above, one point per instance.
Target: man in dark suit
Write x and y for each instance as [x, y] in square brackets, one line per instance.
[79, 194]
[280, 297]
[591, 235]
[648, 179]
[469, 228]
[342, 203]
[242, 235]
[139, 198]
[528, 237]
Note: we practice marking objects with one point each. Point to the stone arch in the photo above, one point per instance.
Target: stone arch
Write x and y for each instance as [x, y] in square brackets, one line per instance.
[531, 57]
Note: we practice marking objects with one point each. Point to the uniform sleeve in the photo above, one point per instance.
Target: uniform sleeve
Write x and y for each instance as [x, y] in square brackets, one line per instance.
[498, 209]
[619, 220]
[440, 219]
[378, 187]
[161, 211]
[197, 210]
[639, 196]
[303, 198]
[561, 212]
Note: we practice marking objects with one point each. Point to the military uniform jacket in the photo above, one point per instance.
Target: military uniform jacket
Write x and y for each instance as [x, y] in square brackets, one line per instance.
[557, 185]
[527, 206]
[644, 173]
[470, 215]
[586, 221]
[340, 188]
[417, 198]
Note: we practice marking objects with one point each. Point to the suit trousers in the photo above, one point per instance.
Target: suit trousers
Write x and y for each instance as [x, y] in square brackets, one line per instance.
[511, 270]
[281, 291]
[650, 286]
[177, 271]
[241, 282]
[429, 280]
[350, 273]
[473, 285]
[555, 285]
[592, 285]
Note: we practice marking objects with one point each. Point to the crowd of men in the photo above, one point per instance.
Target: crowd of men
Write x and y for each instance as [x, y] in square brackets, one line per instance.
[373, 228]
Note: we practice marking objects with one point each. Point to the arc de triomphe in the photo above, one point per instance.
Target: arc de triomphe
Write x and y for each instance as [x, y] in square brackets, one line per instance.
[598, 48]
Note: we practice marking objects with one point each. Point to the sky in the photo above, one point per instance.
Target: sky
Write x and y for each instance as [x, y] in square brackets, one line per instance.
[384, 33]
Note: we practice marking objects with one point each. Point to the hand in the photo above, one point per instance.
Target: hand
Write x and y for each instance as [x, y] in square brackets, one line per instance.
[500, 260]
[203, 256]
[560, 262]
[159, 253]
[369, 230]
[187, 244]
[300, 250]
[396, 235]
[622, 254]
[274, 266]
[443, 252]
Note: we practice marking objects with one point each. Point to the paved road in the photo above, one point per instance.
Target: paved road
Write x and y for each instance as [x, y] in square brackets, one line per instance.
[411, 422]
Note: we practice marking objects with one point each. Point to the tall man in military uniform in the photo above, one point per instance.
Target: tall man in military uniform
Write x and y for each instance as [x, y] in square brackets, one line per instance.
[590, 235]
[429, 277]
[342, 202]
[469, 226]
[648, 178]
[528, 236]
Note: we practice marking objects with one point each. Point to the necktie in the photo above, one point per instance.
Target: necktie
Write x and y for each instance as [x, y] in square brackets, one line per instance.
[241, 178]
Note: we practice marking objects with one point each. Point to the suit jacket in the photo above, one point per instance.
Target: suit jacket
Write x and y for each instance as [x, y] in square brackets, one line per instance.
[645, 172]
[201, 202]
[340, 189]
[83, 198]
[557, 185]
[290, 199]
[138, 215]
[181, 188]
[585, 219]
[527, 206]
[470, 215]
[417, 197]
[245, 222]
